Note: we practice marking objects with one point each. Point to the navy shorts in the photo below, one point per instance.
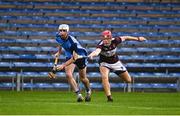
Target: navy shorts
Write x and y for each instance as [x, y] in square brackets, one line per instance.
[81, 63]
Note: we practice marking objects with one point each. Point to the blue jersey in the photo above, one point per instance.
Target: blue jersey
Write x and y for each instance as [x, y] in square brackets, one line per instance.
[70, 45]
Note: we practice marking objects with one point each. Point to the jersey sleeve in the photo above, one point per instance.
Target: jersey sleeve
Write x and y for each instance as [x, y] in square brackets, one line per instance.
[118, 40]
[100, 45]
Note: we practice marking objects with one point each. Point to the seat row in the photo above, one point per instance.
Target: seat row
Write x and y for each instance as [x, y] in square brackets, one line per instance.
[122, 51]
[127, 58]
[93, 86]
[93, 74]
[52, 42]
[134, 67]
[79, 11]
[86, 34]
[87, 3]
[98, 26]
[61, 18]
[90, 5]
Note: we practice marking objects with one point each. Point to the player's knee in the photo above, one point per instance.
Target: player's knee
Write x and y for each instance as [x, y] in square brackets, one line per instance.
[69, 75]
[129, 80]
[105, 78]
[83, 78]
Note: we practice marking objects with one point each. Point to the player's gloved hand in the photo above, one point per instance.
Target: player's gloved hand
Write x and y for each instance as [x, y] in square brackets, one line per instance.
[54, 68]
[60, 67]
[90, 57]
[141, 39]
[57, 54]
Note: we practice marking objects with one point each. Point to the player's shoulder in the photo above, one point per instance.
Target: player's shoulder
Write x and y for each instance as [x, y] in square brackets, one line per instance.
[57, 35]
[71, 37]
[100, 42]
[117, 39]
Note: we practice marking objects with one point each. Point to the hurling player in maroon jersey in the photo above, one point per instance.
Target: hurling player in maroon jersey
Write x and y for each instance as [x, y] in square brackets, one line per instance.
[108, 61]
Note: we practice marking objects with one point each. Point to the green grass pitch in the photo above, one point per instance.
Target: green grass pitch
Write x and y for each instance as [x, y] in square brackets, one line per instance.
[64, 103]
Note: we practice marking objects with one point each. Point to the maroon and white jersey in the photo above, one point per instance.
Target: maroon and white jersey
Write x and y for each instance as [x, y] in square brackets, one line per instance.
[108, 53]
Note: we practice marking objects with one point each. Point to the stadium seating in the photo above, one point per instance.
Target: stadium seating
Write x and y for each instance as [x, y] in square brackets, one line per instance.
[28, 28]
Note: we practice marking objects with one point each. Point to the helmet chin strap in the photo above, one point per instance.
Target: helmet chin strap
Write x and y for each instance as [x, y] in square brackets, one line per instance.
[64, 37]
[107, 44]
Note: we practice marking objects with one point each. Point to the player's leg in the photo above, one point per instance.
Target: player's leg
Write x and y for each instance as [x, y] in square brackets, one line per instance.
[122, 72]
[105, 81]
[69, 75]
[85, 81]
[81, 64]
[126, 77]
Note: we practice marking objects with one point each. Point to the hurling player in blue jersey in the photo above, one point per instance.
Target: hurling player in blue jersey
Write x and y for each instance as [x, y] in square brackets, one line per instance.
[109, 60]
[70, 44]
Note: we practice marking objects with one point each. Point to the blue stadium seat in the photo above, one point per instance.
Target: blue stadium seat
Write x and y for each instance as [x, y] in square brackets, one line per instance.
[115, 85]
[44, 41]
[144, 49]
[177, 75]
[10, 56]
[142, 74]
[11, 74]
[161, 75]
[21, 64]
[142, 85]
[7, 41]
[43, 74]
[92, 65]
[158, 49]
[113, 75]
[43, 85]
[3, 48]
[49, 49]
[29, 85]
[61, 74]
[96, 85]
[170, 65]
[33, 49]
[8, 74]
[24, 41]
[3, 74]
[93, 74]
[126, 50]
[61, 85]
[6, 85]
[30, 74]
[43, 56]
[16, 48]
[6, 64]
[175, 49]
[38, 64]
[27, 56]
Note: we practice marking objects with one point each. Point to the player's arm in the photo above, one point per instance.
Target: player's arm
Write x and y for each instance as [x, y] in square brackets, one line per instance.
[133, 38]
[94, 53]
[58, 53]
[67, 63]
[52, 73]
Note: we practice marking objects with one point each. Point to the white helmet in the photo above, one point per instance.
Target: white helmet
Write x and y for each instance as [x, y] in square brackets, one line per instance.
[64, 26]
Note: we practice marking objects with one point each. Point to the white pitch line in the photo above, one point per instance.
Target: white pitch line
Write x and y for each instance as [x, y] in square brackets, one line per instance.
[115, 106]
[105, 105]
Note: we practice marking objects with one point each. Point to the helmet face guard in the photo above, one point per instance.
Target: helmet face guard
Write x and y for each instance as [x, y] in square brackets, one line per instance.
[106, 37]
[63, 30]
[63, 27]
[106, 34]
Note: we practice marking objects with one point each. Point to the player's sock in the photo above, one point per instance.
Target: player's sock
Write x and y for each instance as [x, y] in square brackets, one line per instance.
[88, 95]
[110, 99]
[77, 92]
[88, 89]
